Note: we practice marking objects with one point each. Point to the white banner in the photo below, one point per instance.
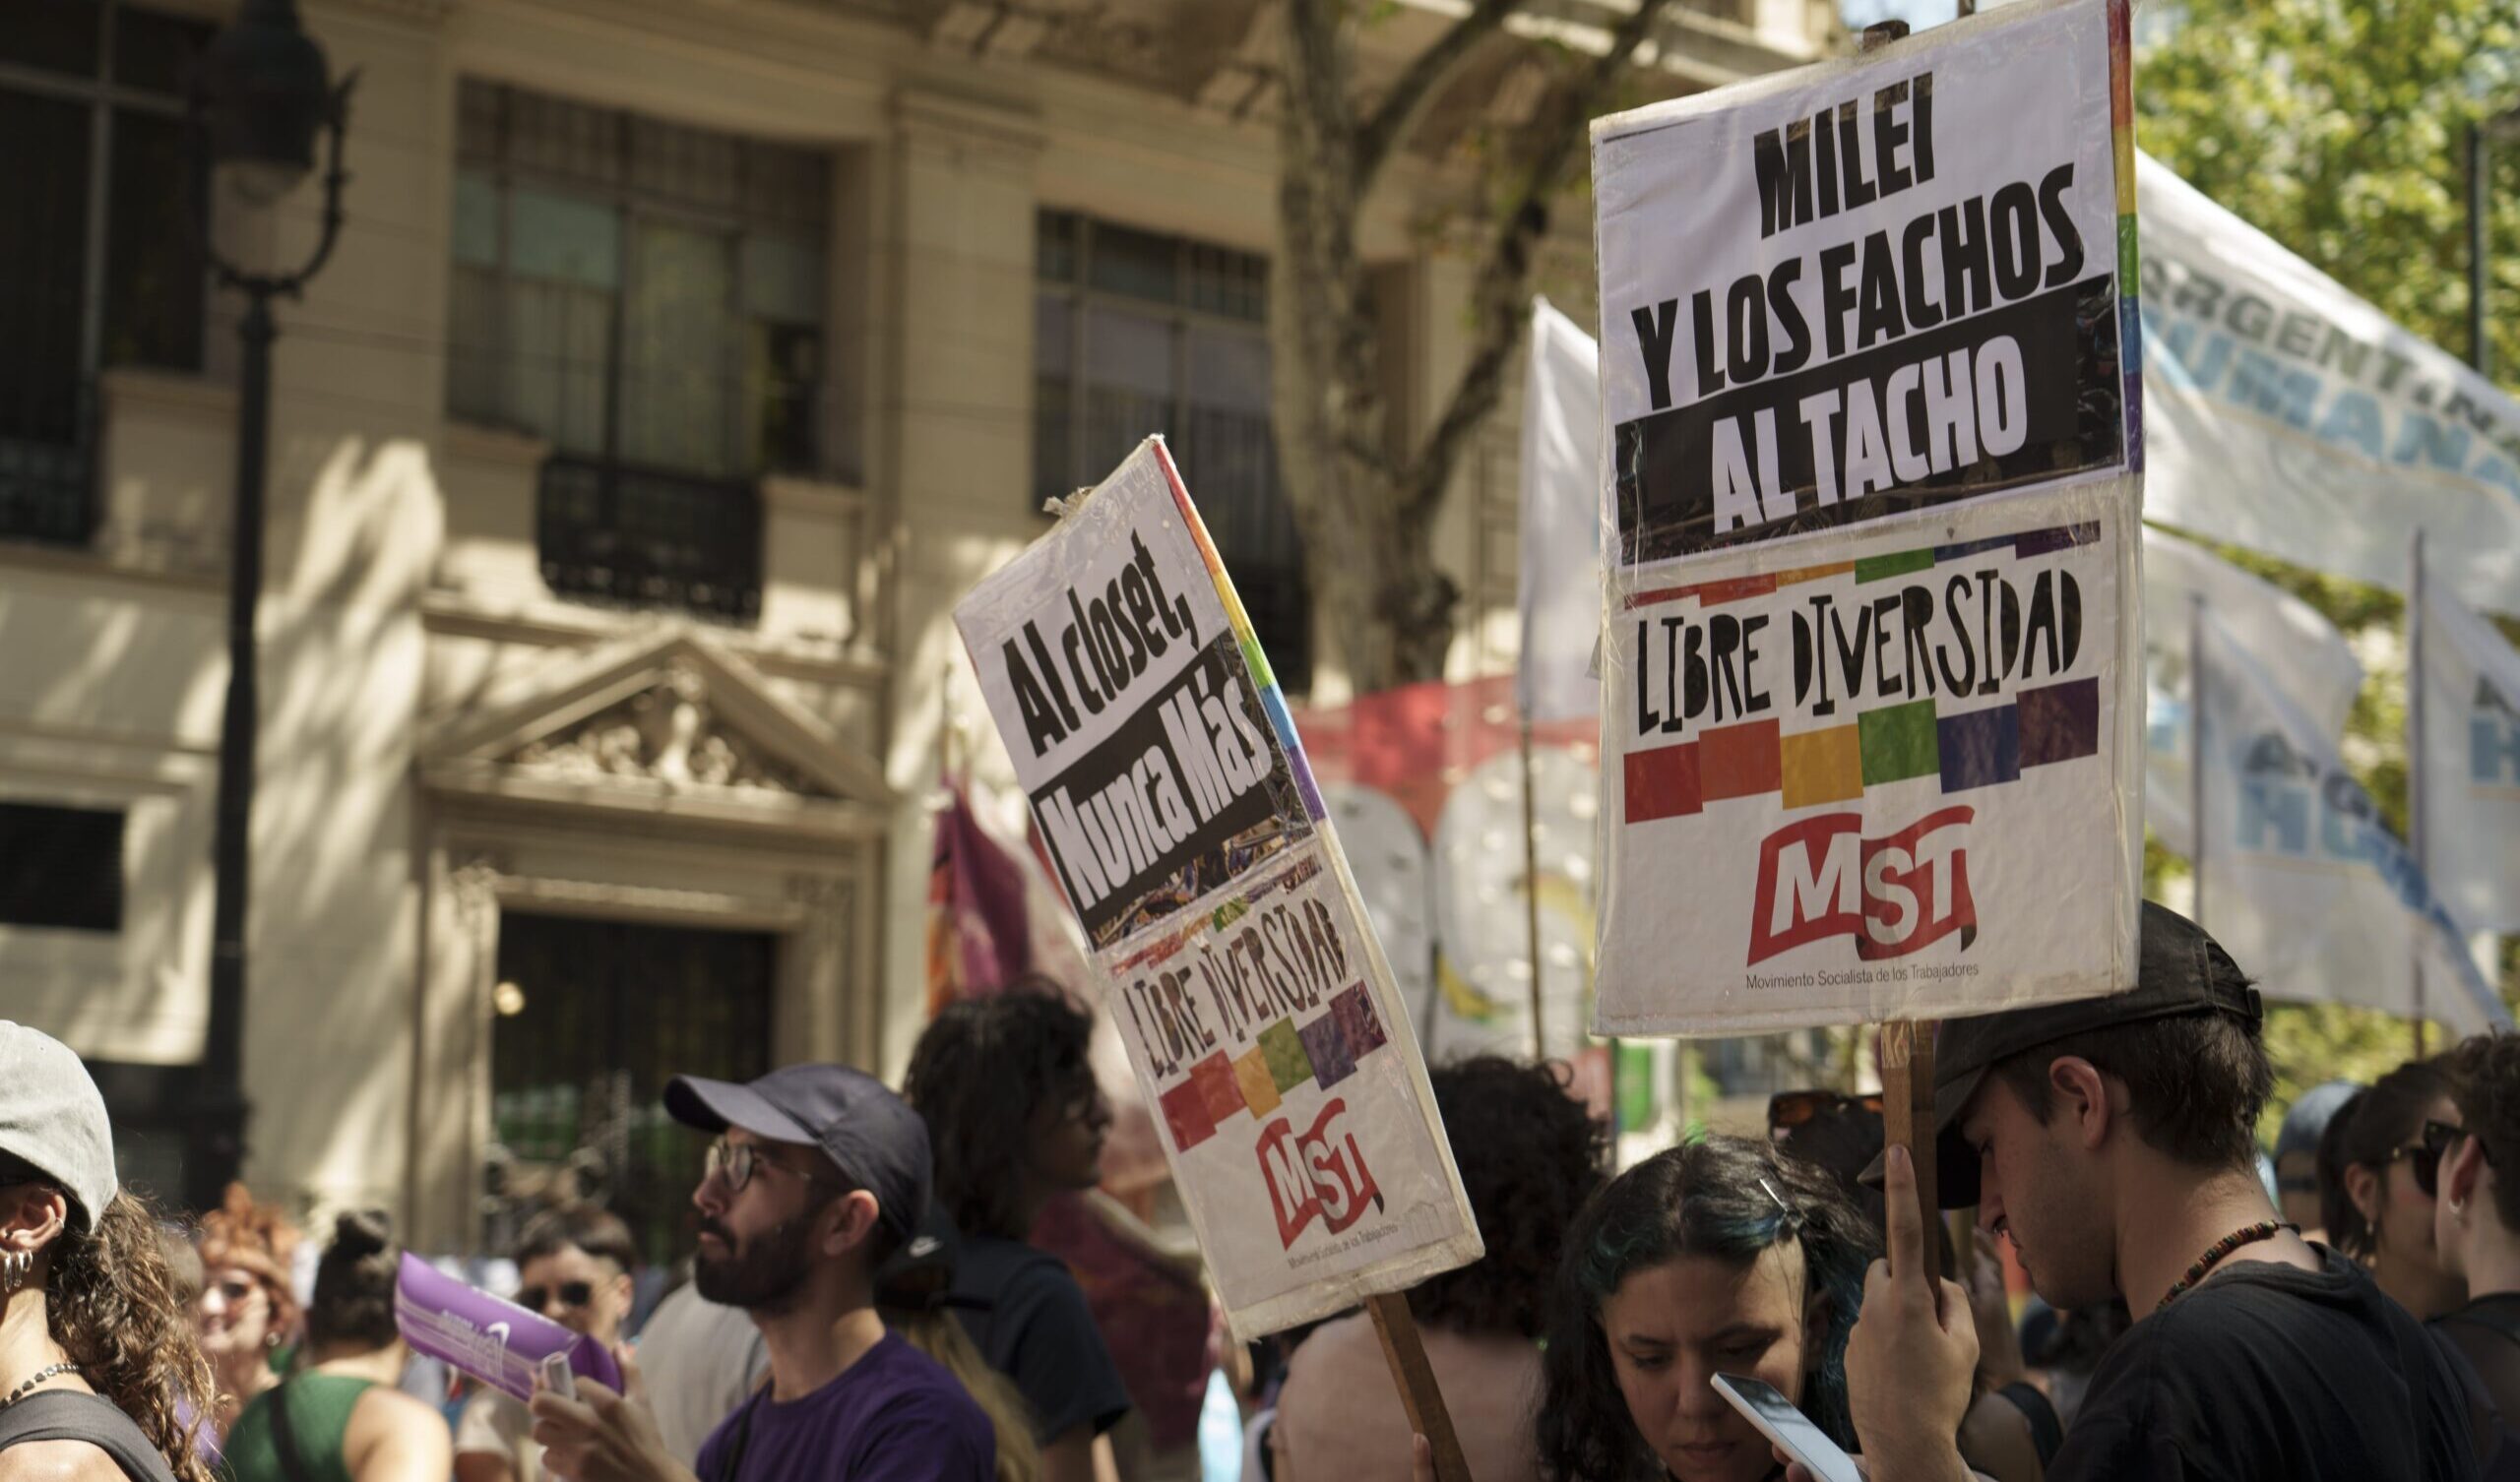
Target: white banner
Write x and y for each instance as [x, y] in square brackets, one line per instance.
[1560, 586]
[1875, 733]
[2284, 415]
[2302, 881]
[1261, 1019]
[2468, 777]
[2303, 653]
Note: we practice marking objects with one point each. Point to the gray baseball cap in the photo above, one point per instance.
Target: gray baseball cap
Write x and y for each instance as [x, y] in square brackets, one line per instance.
[52, 1119]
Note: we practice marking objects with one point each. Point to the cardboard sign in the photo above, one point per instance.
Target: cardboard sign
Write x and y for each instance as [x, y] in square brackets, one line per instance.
[1180, 816]
[1852, 291]
[1871, 658]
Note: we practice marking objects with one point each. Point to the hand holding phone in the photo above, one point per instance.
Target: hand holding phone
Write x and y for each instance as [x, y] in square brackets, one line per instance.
[1778, 1420]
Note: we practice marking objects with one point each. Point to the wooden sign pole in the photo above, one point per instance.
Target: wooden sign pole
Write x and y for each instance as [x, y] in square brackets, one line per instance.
[1907, 1106]
[1402, 1349]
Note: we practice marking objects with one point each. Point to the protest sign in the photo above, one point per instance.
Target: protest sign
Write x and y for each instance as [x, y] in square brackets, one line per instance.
[492, 1339]
[1872, 663]
[1179, 815]
[2465, 710]
[2302, 879]
[2291, 416]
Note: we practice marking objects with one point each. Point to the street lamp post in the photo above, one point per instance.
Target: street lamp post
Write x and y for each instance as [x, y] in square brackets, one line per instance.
[261, 95]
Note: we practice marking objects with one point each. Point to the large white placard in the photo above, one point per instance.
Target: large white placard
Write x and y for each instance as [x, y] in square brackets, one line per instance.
[1177, 811]
[1871, 658]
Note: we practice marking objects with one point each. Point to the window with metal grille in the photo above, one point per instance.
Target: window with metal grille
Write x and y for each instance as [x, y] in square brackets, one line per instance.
[60, 867]
[648, 298]
[96, 266]
[1137, 333]
[595, 1017]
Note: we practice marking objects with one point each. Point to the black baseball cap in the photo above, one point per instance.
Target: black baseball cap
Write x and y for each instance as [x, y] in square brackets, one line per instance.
[871, 1135]
[2179, 971]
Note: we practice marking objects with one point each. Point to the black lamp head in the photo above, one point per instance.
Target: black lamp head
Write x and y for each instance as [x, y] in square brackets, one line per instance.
[266, 94]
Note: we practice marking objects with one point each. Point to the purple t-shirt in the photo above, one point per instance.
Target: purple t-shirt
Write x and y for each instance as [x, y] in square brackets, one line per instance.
[896, 1416]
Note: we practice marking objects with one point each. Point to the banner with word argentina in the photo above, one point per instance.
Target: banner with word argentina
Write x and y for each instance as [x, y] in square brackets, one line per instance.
[1172, 793]
[1871, 658]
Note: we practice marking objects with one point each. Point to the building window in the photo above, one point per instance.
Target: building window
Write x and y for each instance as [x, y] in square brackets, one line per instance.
[96, 263]
[62, 867]
[1136, 333]
[648, 298]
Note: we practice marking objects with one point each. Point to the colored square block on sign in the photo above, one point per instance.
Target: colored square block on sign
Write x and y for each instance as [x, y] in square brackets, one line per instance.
[2060, 722]
[1899, 743]
[1739, 760]
[1821, 767]
[1980, 749]
[1333, 1059]
[1663, 782]
[1359, 1024]
[1289, 1066]
[1214, 1077]
[1185, 1113]
[1259, 1086]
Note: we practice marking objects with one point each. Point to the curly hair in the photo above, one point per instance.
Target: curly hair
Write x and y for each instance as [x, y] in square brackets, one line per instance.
[353, 1303]
[1699, 1199]
[2367, 1130]
[114, 1307]
[981, 1073]
[2485, 1083]
[1530, 1154]
[258, 1239]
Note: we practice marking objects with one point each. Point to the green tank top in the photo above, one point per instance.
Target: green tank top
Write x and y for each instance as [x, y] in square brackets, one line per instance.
[319, 1417]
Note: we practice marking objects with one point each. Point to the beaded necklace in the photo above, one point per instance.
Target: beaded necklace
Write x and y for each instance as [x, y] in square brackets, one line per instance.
[2264, 1229]
[49, 1371]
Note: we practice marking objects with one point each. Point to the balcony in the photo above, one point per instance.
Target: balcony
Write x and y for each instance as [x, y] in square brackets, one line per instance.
[618, 534]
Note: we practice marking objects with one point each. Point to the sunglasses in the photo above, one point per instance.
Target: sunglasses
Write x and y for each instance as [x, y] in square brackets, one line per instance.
[2425, 1156]
[1788, 1110]
[572, 1294]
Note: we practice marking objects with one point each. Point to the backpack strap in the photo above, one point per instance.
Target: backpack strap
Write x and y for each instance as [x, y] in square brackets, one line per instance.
[72, 1415]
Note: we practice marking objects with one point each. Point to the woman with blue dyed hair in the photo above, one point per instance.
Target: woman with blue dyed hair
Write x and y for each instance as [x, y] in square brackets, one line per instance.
[1721, 1256]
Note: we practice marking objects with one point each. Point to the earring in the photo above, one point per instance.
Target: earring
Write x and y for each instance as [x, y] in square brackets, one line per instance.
[15, 1268]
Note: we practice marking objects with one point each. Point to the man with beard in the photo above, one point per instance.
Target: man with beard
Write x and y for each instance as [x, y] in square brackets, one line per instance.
[2114, 1140]
[818, 1174]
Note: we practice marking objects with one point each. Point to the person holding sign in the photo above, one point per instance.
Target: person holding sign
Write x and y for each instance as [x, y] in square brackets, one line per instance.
[1718, 1256]
[819, 1173]
[2113, 1139]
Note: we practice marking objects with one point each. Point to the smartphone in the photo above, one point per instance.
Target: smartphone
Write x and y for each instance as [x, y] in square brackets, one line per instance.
[557, 1377]
[1779, 1421]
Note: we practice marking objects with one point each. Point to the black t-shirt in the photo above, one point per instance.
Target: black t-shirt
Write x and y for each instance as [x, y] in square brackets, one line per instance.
[2270, 1374]
[1039, 1333]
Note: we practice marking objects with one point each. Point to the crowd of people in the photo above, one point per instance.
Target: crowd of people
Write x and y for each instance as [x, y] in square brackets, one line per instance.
[864, 1299]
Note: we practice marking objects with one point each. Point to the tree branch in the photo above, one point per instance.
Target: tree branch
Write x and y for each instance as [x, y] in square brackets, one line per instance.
[1409, 96]
[1503, 282]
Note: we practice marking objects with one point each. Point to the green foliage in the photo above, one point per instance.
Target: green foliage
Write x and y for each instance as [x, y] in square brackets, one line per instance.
[2339, 129]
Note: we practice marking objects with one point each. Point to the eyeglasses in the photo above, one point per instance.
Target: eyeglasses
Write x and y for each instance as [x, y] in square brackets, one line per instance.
[737, 1162]
[1788, 1110]
[572, 1294]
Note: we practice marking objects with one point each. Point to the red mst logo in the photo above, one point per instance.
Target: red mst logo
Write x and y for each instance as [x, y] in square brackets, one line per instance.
[1821, 877]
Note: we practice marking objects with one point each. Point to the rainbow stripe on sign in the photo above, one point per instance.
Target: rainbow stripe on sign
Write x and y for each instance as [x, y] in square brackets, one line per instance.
[1273, 700]
[1965, 749]
[1324, 1050]
[2122, 136]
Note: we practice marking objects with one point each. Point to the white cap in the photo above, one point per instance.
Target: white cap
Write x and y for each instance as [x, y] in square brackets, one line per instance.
[53, 1117]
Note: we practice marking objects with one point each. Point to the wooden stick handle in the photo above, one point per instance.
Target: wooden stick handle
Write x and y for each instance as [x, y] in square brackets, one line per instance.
[1907, 1108]
[1406, 1353]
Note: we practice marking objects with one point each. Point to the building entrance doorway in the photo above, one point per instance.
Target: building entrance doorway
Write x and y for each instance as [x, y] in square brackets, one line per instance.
[592, 1019]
